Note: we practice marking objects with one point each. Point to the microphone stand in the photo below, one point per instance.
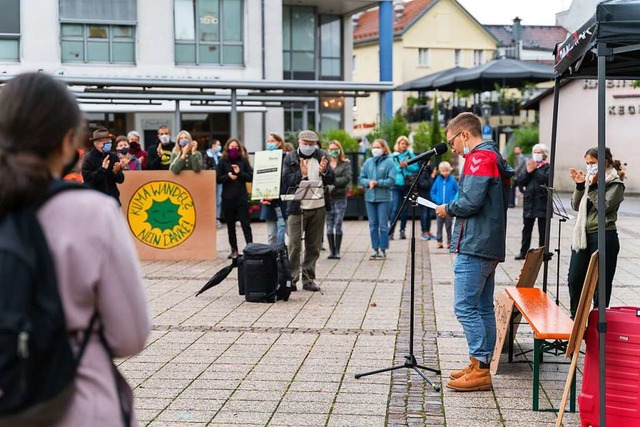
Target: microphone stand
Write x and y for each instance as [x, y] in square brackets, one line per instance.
[410, 359]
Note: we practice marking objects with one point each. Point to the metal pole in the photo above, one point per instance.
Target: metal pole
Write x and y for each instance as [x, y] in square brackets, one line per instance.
[602, 249]
[176, 119]
[552, 162]
[305, 116]
[234, 114]
[385, 24]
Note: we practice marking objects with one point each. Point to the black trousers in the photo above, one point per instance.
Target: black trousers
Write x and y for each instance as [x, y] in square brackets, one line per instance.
[527, 229]
[580, 262]
[237, 210]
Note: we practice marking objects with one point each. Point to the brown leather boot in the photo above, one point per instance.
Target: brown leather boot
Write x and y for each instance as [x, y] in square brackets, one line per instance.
[457, 374]
[479, 378]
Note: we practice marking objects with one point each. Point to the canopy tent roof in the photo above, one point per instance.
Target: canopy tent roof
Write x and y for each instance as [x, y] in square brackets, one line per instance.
[425, 83]
[617, 23]
[505, 72]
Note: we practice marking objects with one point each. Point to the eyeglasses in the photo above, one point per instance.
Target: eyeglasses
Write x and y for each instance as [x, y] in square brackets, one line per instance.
[450, 141]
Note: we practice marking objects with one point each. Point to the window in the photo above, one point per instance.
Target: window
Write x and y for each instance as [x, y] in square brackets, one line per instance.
[423, 57]
[98, 43]
[478, 57]
[209, 32]
[293, 118]
[96, 31]
[330, 47]
[299, 42]
[457, 58]
[10, 30]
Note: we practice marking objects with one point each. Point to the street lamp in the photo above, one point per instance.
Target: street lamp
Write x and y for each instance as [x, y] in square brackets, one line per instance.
[486, 112]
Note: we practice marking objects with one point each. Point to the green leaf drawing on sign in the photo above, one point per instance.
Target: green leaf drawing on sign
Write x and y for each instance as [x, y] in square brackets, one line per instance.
[163, 215]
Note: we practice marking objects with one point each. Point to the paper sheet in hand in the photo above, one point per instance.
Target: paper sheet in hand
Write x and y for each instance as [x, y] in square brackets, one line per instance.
[426, 202]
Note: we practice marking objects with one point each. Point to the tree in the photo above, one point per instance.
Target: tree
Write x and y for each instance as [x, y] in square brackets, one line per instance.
[349, 143]
[422, 138]
[390, 130]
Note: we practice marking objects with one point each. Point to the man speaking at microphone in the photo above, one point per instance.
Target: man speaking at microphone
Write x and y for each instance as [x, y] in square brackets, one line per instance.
[479, 240]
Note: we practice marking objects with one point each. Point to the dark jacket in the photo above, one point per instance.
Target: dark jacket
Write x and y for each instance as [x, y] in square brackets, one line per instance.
[343, 180]
[535, 197]
[481, 207]
[425, 182]
[291, 177]
[234, 188]
[96, 177]
[156, 163]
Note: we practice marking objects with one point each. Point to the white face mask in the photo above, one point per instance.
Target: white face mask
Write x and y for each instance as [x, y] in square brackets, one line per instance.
[307, 150]
[537, 157]
[592, 169]
[376, 152]
[165, 139]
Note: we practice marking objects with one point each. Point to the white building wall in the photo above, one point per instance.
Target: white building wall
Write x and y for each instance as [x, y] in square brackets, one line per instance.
[578, 128]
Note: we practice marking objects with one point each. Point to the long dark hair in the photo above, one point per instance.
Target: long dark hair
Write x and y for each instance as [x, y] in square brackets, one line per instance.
[608, 157]
[241, 150]
[36, 112]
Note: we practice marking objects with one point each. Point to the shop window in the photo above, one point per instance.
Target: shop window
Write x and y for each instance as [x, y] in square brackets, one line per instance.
[10, 30]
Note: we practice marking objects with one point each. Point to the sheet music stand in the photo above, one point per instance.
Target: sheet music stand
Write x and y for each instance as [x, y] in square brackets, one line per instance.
[563, 216]
[305, 190]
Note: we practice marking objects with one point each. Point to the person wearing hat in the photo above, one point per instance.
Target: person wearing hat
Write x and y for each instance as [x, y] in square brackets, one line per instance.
[307, 163]
[101, 169]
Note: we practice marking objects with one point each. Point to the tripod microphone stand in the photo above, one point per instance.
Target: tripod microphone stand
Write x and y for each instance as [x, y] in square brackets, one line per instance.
[410, 359]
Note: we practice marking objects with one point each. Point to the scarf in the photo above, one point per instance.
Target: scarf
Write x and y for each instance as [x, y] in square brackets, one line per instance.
[580, 228]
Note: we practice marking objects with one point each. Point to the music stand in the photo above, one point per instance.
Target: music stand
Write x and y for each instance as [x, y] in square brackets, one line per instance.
[410, 359]
[305, 190]
[563, 216]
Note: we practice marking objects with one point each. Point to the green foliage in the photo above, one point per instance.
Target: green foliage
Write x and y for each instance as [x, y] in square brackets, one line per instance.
[412, 101]
[421, 138]
[349, 143]
[436, 134]
[526, 137]
[390, 130]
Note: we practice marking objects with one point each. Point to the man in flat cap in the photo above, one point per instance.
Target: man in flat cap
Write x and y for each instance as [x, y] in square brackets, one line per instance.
[101, 168]
[307, 163]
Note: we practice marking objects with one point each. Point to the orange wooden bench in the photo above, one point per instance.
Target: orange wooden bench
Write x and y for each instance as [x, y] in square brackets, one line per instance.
[549, 322]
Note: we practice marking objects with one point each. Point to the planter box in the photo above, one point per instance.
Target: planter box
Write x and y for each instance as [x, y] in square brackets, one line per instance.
[356, 208]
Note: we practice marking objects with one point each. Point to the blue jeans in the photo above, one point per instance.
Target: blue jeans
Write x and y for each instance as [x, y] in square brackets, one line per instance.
[399, 192]
[378, 214]
[473, 284]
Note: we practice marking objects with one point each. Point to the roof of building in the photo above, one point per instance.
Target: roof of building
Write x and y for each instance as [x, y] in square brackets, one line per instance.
[367, 28]
[535, 37]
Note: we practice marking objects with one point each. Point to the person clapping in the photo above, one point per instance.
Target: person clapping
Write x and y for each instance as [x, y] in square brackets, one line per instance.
[185, 154]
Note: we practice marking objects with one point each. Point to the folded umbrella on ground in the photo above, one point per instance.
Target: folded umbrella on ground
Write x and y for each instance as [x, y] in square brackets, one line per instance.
[219, 276]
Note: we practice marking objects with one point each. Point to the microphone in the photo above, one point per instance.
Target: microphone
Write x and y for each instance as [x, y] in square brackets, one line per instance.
[435, 151]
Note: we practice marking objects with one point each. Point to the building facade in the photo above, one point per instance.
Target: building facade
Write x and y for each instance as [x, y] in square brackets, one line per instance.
[225, 40]
[429, 36]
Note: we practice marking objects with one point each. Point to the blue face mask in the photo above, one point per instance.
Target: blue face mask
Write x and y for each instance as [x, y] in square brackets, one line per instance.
[218, 148]
[271, 146]
[106, 147]
[307, 150]
[183, 142]
[465, 149]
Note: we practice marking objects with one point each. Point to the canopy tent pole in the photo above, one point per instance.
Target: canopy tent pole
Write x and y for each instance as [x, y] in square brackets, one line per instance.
[603, 54]
[552, 163]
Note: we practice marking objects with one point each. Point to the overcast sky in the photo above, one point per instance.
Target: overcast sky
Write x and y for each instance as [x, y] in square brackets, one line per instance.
[532, 12]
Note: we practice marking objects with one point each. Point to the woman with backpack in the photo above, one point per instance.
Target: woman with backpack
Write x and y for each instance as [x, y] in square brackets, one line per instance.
[86, 265]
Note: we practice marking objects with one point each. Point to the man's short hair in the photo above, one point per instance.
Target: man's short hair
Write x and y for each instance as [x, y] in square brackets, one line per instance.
[465, 122]
[163, 127]
[308, 135]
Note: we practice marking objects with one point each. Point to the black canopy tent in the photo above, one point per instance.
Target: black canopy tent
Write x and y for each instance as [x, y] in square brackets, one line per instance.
[425, 83]
[606, 46]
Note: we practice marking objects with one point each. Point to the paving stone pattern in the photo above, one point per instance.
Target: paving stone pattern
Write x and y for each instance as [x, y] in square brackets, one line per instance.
[217, 360]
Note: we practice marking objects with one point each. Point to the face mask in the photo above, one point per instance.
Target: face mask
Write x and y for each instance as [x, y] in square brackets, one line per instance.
[164, 139]
[271, 146]
[537, 157]
[307, 150]
[218, 148]
[134, 145]
[106, 147]
[124, 151]
[183, 142]
[465, 149]
[592, 169]
[334, 153]
[377, 152]
[234, 153]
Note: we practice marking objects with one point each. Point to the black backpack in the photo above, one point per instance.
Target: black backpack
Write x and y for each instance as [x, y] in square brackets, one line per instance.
[37, 362]
[264, 273]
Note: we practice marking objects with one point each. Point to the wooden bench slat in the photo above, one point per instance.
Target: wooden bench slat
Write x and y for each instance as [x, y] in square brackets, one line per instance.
[547, 320]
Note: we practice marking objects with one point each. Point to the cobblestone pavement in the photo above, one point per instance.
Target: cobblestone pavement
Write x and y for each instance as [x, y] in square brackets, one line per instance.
[218, 360]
